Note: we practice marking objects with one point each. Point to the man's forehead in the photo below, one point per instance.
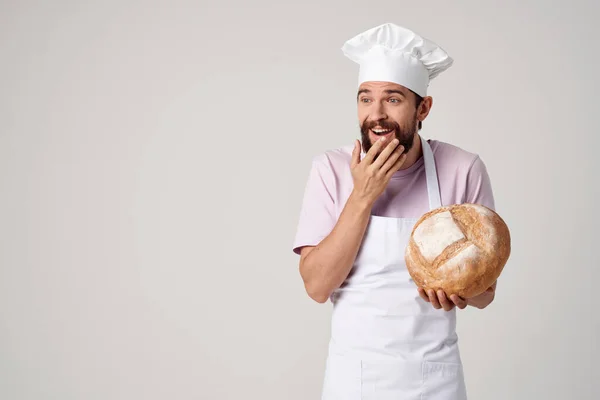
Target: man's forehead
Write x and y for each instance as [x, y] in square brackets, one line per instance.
[372, 86]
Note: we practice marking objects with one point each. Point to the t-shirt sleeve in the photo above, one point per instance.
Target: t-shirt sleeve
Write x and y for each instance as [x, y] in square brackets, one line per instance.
[317, 213]
[479, 186]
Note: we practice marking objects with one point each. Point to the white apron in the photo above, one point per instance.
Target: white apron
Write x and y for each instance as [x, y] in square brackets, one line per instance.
[386, 342]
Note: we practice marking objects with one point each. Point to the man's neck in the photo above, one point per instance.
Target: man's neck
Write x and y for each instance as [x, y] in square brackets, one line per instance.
[414, 153]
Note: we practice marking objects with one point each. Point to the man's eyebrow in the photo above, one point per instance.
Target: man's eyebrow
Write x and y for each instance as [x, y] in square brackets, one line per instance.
[361, 91]
[391, 91]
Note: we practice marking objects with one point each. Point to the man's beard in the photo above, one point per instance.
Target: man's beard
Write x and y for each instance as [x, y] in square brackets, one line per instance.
[405, 135]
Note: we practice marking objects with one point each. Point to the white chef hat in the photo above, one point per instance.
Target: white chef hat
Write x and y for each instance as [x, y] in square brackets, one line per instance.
[391, 53]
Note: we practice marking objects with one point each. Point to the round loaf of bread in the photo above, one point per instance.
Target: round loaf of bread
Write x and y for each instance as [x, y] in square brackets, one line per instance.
[461, 249]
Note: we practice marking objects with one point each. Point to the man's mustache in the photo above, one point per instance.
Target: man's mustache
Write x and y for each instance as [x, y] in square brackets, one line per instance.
[382, 124]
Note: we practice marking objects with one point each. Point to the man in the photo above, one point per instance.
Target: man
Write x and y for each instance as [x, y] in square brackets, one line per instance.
[389, 338]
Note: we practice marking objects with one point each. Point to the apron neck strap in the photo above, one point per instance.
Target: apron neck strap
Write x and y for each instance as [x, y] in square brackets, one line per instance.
[433, 189]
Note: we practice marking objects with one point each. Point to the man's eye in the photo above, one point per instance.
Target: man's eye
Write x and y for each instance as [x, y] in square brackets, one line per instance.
[364, 100]
[394, 101]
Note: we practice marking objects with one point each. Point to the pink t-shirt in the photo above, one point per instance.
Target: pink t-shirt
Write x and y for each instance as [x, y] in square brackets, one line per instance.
[462, 178]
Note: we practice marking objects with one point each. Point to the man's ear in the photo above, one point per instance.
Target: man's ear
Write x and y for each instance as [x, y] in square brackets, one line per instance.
[424, 108]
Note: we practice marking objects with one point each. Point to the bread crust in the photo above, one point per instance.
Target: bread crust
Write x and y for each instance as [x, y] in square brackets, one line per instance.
[468, 266]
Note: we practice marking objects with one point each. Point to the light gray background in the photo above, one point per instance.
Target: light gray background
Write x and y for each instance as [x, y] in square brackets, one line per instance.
[153, 157]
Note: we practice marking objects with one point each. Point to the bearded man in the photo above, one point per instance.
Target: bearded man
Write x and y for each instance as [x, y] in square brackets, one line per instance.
[389, 337]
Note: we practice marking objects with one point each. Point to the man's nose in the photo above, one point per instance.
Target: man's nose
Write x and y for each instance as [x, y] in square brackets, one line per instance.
[378, 113]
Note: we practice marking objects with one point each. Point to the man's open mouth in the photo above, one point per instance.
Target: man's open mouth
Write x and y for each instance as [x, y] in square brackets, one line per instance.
[381, 132]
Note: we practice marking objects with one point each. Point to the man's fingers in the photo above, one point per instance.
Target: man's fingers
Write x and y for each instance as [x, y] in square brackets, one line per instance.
[385, 154]
[440, 300]
[355, 154]
[433, 299]
[396, 166]
[446, 304]
[392, 159]
[423, 294]
[370, 156]
[459, 301]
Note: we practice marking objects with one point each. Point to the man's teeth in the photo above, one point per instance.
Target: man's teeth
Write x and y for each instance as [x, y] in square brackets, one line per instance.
[381, 131]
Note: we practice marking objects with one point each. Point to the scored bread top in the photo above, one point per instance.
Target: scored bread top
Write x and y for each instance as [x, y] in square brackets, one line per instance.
[459, 248]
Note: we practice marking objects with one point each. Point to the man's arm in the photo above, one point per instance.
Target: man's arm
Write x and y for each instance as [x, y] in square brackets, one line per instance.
[324, 267]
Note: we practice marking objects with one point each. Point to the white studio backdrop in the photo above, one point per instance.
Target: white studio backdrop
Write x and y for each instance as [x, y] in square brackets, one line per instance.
[153, 157]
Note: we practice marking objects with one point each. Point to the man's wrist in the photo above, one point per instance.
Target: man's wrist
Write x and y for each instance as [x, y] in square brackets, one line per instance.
[359, 203]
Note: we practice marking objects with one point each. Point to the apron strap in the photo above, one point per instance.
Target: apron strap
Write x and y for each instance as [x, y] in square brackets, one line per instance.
[433, 189]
